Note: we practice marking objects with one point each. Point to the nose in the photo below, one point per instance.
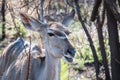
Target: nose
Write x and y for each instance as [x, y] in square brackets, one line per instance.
[71, 52]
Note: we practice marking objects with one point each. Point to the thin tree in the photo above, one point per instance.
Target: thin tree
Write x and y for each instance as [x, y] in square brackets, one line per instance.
[99, 26]
[102, 48]
[3, 19]
[89, 39]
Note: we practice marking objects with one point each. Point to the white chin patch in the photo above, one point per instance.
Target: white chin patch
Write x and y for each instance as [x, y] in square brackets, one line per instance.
[68, 56]
[68, 60]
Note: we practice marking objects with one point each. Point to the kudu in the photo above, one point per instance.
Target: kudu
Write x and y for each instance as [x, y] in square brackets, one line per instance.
[56, 44]
[11, 53]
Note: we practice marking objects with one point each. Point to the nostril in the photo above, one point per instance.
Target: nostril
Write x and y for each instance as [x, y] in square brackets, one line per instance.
[71, 52]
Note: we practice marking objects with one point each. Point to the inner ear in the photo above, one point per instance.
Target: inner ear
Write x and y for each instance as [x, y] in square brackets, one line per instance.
[33, 24]
[25, 19]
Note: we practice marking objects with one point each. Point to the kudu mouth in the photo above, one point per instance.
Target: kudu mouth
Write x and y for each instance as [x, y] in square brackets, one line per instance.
[69, 55]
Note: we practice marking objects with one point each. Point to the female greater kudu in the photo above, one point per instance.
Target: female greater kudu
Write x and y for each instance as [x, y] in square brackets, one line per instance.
[10, 53]
[56, 44]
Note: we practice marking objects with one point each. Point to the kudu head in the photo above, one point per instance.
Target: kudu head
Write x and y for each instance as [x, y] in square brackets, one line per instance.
[55, 35]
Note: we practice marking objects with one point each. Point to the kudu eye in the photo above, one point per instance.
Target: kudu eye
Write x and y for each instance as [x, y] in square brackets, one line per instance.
[51, 34]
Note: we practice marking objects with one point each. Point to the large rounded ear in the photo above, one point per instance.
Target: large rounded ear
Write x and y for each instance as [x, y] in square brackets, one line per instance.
[32, 23]
[69, 18]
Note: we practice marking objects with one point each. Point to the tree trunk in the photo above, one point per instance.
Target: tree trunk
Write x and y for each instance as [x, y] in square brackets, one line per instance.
[89, 39]
[114, 44]
[102, 48]
[3, 19]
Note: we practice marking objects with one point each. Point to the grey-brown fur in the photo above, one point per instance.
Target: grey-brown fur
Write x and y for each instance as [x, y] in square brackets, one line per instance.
[11, 53]
[56, 46]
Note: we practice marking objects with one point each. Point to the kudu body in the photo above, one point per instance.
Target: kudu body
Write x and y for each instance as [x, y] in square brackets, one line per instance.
[10, 53]
[56, 45]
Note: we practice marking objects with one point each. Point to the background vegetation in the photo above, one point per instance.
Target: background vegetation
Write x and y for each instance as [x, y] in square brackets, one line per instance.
[93, 58]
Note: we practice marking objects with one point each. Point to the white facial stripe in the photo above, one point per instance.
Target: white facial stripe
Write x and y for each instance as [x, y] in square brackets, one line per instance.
[61, 37]
[50, 31]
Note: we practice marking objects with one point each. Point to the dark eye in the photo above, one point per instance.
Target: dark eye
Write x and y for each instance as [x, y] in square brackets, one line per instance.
[50, 34]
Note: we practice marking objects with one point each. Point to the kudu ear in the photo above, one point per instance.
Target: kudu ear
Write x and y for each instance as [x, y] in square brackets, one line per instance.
[69, 18]
[32, 23]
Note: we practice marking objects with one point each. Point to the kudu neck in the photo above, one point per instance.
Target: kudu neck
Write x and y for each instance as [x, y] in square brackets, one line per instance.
[52, 64]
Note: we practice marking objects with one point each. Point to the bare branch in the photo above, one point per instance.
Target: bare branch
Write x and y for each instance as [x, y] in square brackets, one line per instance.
[89, 39]
[95, 10]
[13, 19]
[29, 55]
